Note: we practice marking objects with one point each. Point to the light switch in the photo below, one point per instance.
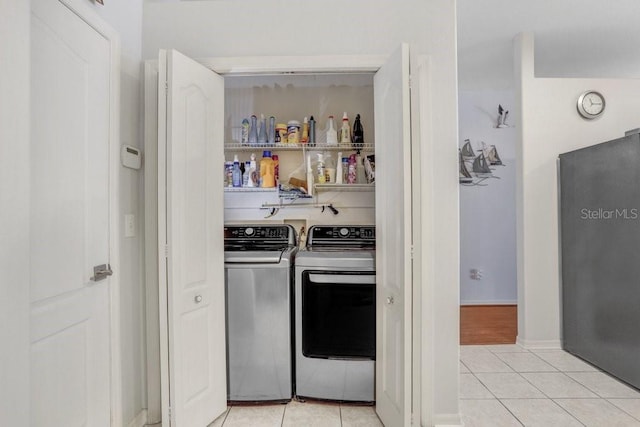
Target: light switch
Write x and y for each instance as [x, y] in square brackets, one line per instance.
[129, 225]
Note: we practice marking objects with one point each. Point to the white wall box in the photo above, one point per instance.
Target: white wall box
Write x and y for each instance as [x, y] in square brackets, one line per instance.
[186, 247]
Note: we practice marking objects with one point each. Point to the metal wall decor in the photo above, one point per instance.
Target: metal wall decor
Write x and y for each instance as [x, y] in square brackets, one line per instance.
[476, 165]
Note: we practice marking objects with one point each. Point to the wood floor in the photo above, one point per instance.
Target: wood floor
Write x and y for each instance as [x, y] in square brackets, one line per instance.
[488, 324]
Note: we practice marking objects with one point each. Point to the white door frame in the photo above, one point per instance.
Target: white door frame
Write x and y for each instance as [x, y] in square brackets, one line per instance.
[423, 340]
[85, 12]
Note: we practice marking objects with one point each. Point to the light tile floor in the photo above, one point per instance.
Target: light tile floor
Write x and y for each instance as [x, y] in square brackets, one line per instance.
[500, 385]
[508, 385]
[298, 414]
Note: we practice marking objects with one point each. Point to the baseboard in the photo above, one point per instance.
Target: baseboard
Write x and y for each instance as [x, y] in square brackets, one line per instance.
[539, 344]
[447, 420]
[140, 420]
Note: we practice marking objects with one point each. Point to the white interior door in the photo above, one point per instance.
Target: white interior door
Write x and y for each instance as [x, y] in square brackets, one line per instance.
[393, 240]
[70, 84]
[190, 222]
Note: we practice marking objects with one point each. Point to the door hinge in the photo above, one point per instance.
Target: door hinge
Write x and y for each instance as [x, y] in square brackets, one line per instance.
[169, 414]
[166, 86]
[166, 251]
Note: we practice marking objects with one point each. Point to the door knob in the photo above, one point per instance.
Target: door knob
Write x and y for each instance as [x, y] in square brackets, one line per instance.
[389, 300]
[198, 299]
[101, 272]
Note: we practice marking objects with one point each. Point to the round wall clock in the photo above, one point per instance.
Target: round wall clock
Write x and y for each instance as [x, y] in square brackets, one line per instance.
[591, 104]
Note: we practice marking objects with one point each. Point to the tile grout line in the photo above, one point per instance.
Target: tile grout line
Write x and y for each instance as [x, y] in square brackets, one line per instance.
[284, 412]
[622, 409]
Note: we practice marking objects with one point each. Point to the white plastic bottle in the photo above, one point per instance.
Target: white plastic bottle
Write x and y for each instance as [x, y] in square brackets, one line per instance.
[345, 131]
[339, 169]
[332, 134]
[309, 176]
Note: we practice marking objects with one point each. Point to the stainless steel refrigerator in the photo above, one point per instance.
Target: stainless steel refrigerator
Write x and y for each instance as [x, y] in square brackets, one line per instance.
[600, 240]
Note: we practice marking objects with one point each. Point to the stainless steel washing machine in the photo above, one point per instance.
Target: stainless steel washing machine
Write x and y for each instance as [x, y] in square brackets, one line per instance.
[258, 282]
[335, 314]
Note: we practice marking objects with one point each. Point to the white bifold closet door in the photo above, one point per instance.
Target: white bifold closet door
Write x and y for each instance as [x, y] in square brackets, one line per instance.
[190, 239]
[393, 240]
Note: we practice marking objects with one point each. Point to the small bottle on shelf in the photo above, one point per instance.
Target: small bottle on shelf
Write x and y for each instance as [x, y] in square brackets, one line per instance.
[345, 170]
[358, 133]
[321, 169]
[276, 168]
[312, 132]
[244, 138]
[262, 133]
[237, 173]
[345, 131]
[254, 175]
[272, 130]
[352, 174]
[246, 174]
[339, 169]
[253, 131]
[332, 135]
[304, 138]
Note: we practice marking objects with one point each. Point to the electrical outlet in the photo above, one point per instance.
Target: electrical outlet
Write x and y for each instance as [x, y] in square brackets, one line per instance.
[475, 274]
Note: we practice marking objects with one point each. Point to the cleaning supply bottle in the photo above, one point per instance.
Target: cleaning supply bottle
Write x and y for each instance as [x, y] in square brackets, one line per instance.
[345, 169]
[246, 174]
[358, 133]
[345, 131]
[321, 171]
[360, 177]
[267, 177]
[312, 132]
[237, 173]
[351, 175]
[254, 175]
[339, 169]
[272, 130]
[309, 176]
[244, 139]
[304, 139]
[332, 135]
[228, 174]
[262, 133]
[276, 168]
[253, 130]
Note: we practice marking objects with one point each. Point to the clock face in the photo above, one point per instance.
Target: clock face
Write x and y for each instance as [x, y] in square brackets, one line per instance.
[591, 104]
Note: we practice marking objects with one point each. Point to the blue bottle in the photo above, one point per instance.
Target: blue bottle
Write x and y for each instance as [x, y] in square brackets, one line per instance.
[262, 133]
[253, 131]
[237, 173]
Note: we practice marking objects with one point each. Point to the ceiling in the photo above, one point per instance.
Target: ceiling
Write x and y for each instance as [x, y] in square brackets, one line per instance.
[573, 38]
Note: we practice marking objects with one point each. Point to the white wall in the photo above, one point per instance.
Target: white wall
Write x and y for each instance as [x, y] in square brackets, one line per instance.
[126, 19]
[281, 27]
[488, 210]
[14, 212]
[550, 125]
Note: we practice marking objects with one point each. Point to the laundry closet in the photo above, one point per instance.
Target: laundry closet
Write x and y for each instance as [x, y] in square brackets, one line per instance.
[200, 107]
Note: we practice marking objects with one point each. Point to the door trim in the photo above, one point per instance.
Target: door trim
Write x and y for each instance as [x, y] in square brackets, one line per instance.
[89, 15]
[422, 320]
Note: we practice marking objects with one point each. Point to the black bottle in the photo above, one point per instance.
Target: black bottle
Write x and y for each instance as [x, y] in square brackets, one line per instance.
[358, 133]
